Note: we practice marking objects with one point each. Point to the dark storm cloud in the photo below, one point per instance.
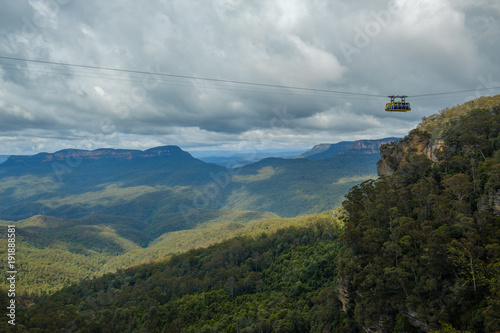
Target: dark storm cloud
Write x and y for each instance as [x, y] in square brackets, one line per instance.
[377, 47]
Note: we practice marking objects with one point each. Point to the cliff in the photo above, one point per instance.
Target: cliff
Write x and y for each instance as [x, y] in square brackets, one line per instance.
[396, 153]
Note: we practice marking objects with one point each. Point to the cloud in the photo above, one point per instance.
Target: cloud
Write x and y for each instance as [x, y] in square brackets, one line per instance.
[375, 48]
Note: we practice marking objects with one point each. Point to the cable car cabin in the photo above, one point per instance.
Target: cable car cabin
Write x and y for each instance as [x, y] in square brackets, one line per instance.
[397, 106]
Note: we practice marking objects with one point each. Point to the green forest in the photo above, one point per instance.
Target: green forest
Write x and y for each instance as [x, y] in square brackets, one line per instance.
[421, 248]
[416, 250]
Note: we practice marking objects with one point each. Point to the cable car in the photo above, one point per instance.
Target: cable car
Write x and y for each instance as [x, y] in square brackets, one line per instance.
[397, 106]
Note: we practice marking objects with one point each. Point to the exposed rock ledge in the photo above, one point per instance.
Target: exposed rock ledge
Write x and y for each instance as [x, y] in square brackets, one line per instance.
[395, 153]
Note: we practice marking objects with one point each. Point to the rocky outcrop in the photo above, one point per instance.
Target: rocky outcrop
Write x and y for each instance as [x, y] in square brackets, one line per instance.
[418, 141]
[343, 288]
[491, 201]
[389, 162]
[434, 149]
[416, 322]
[495, 202]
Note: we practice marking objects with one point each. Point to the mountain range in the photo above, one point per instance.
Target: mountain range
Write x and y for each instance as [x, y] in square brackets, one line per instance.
[172, 183]
[415, 250]
[112, 208]
[327, 150]
[232, 159]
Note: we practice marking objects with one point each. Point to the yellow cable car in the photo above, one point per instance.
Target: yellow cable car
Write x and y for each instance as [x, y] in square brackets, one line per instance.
[397, 106]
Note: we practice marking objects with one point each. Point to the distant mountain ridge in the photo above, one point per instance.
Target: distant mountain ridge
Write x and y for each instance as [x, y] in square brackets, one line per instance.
[240, 158]
[165, 184]
[101, 153]
[320, 151]
[327, 150]
[75, 183]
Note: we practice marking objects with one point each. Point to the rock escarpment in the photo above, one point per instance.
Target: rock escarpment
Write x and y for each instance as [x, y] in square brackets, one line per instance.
[396, 153]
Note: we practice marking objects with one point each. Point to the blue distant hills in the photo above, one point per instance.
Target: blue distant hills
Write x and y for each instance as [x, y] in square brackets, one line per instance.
[160, 185]
[239, 158]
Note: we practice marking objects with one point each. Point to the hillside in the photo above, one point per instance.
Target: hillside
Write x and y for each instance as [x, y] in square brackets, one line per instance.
[281, 282]
[415, 251]
[98, 211]
[292, 187]
[421, 243]
[98, 244]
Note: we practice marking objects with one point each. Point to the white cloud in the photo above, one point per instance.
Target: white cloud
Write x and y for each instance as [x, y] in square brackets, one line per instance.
[423, 47]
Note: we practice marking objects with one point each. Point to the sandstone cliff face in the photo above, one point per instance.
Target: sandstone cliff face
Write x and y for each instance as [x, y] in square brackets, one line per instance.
[495, 201]
[394, 154]
[344, 292]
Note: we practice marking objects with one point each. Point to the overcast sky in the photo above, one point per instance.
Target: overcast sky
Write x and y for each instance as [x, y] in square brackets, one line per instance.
[365, 47]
